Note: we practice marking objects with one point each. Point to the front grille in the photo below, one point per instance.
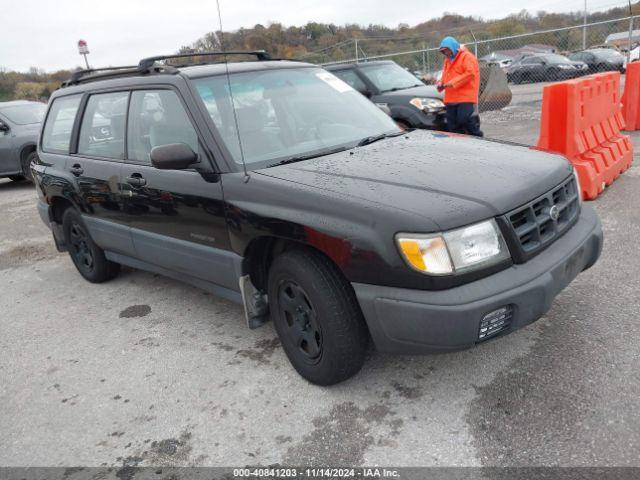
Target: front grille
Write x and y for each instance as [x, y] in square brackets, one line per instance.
[536, 225]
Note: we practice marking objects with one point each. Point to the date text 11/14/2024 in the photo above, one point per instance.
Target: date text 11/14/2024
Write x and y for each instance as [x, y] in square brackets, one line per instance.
[315, 473]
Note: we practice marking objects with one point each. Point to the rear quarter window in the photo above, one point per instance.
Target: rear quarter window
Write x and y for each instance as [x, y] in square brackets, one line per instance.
[56, 136]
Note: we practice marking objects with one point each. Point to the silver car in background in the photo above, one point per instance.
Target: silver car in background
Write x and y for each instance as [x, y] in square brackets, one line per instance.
[19, 128]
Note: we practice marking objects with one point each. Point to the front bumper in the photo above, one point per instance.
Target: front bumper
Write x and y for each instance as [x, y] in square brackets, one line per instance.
[418, 321]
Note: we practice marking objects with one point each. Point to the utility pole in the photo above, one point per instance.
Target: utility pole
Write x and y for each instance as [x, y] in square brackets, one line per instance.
[356, 43]
[584, 28]
[424, 61]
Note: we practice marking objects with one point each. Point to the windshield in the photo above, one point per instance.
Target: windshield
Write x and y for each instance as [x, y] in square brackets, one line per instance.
[556, 59]
[389, 76]
[608, 54]
[25, 114]
[288, 113]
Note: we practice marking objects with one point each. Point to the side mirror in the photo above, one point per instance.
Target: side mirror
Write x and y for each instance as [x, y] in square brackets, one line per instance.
[175, 156]
[4, 127]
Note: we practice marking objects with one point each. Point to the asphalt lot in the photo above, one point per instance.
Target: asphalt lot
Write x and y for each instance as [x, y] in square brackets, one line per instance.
[144, 370]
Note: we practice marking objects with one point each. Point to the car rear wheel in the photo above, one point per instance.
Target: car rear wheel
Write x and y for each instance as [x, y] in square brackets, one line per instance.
[16, 178]
[317, 317]
[26, 166]
[88, 257]
[403, 125]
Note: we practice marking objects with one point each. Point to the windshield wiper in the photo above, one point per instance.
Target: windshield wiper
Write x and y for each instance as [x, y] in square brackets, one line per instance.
[376, 138]
[395, 89]
[299, 158]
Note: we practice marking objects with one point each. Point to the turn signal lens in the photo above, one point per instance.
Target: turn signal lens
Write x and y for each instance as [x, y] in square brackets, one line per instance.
[427, 255]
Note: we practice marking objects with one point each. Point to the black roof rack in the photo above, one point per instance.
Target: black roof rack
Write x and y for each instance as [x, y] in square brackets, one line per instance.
[148, 65]
[80, 75]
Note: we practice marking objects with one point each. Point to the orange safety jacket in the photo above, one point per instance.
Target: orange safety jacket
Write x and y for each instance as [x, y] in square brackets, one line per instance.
[463, 74]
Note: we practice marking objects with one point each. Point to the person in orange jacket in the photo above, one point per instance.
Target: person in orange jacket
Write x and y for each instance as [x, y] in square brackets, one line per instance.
[461, 85]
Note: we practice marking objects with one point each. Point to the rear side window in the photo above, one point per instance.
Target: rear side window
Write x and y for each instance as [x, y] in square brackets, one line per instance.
[156, 117]
[56, 135]
[102, 129]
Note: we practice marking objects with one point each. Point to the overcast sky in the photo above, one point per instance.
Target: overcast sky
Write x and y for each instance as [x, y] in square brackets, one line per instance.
[44, 33]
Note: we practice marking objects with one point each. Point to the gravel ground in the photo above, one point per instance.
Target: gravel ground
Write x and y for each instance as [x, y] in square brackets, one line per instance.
[144, 370]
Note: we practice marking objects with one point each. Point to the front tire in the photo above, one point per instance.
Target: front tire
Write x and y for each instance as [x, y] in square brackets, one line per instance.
[88, 257]
[16, 178]
[317, 317]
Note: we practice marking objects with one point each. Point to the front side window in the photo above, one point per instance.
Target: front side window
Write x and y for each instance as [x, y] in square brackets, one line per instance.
[388, 77]
[156, 118]
[287, 113]
[56, 135]
[352, 79]
[102, 129]
[26, 114]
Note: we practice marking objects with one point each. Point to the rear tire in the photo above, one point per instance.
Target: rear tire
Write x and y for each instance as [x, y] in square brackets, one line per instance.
[317, 317]
[88, 257]
[403, 125]
[16, 178]
[26, 166]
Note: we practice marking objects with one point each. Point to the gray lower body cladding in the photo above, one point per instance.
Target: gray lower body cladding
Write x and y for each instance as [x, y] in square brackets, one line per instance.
[417, 321]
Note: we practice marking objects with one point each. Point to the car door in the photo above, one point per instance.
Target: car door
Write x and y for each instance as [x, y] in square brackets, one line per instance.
[7, 163]
[95, 168]
[177, 217]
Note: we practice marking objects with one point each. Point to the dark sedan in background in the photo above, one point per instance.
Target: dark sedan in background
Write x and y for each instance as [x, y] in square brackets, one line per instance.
[411, 103]
[601, 60]
[548, 67]
[19, 128]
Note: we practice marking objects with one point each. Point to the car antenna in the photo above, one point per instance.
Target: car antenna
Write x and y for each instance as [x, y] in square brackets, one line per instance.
[233, 105]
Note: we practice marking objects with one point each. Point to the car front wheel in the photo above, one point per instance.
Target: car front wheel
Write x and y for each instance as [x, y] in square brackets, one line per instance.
[317, 317]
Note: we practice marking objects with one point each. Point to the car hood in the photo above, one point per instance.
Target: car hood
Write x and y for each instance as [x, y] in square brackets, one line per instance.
[451, 180]
[422, 91]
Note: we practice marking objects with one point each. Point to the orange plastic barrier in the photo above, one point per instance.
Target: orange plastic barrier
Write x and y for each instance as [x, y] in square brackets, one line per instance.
[582, 119]
[631, 97]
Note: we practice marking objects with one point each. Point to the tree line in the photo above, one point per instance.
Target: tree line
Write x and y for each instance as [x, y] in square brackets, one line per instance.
[323, 42]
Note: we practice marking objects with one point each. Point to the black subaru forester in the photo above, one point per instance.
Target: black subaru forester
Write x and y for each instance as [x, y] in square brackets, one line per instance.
[276, 185]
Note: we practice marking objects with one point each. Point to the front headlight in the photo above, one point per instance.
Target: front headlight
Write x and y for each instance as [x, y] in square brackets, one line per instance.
[469, 248]
[575, 175]
[427, 104]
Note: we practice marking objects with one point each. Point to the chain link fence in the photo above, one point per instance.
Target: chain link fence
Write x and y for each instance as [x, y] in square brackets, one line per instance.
[513, 68]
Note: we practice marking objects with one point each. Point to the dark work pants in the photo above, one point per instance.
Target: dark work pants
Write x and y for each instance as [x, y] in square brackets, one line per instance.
[461, 118]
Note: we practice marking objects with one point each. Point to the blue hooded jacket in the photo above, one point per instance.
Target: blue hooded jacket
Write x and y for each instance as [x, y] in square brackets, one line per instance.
[452, 44]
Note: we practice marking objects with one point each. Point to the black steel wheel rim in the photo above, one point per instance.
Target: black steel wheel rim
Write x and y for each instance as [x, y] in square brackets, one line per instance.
[81, 250]
[300, 321]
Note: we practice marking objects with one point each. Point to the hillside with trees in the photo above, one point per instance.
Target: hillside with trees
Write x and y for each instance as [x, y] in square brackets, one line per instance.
[322, 42]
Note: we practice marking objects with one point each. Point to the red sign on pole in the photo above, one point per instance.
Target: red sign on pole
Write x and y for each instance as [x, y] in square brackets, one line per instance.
[83, 48]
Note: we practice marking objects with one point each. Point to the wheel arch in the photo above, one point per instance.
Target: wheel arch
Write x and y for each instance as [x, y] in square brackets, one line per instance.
[58, 206]
[261, 251]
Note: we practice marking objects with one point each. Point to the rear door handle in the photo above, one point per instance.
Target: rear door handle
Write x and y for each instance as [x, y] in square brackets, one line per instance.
[136, 180]
[77, 170]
